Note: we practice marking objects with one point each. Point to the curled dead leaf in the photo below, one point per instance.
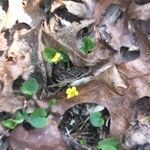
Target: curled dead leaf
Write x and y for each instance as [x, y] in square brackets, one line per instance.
[113, 79]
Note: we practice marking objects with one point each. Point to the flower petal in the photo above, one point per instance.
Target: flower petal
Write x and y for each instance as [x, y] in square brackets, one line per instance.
[74, 88]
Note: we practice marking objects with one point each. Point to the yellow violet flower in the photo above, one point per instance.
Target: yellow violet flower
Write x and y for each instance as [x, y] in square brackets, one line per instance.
[56, 58]
[72, 92]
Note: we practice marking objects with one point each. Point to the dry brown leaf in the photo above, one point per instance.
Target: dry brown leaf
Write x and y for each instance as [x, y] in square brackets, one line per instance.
[140, 66]
[11, 103]
[3, 42]
[66, 38]
[117, 87]
[29, 46]
[113, 79]
[82, 10]
[75, 8]
[24, 57]
[56, 4]
[47, 138]
[30, 14]
[118, 106]
[120, 35]
[102, 6]
[139, 130]
[90, 6]
[142, 85]
[139, 11]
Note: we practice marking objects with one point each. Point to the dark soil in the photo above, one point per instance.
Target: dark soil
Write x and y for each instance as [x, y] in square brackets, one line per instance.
[76, 127]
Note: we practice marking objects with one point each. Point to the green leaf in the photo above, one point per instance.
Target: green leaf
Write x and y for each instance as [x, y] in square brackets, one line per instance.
[110, 141]
[29, 87]
[24, 113]
[38, 122]
[107, 147]
[48, 54]
[39, 112]
[52, 102]
[65, 56]
[12, 123]
[96, 119]
[19, 118]
[83, 141]
[88, 45]
[9, 123]
[38, 118]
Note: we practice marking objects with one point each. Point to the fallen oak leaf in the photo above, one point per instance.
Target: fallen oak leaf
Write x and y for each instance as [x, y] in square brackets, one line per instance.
[55, 5]
[113, 79]
[11, 103]
[46, 138]
[33, 61]
[139, 11]
[106, 73]
[30, 14]
[138, 133]
[66, 39]
[75, 8]
[118, 35]
[101, 7]
[140, 66]
[141, 2]
[19, 63]
[142, 85]
[112, 98]
[97, 92]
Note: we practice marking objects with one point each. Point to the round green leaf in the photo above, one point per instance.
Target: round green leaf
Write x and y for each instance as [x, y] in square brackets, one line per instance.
[111, 141]
[37, 122]
[88, 45]
[83, 141]
[19, 118]
[39, 112]
[65, 56]
[96, 119]
[29, 87]
[107, 147]
[9, 123]
[48, 54]
[52, 102]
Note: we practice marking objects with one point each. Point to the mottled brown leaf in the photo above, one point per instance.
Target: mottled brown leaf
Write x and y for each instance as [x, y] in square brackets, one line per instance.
[47, 138]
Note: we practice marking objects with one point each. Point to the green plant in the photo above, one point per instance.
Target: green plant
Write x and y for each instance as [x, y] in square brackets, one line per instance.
[111, 143]
[96, 119]
[36, 119]
[55, 55]
[13, 122]
[9, 123]
[88, 45]
[52, 102]
[83, 141]
[29, 87]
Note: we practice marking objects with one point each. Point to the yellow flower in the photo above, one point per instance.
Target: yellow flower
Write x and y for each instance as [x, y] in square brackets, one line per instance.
[72, 92]
[56, 58]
